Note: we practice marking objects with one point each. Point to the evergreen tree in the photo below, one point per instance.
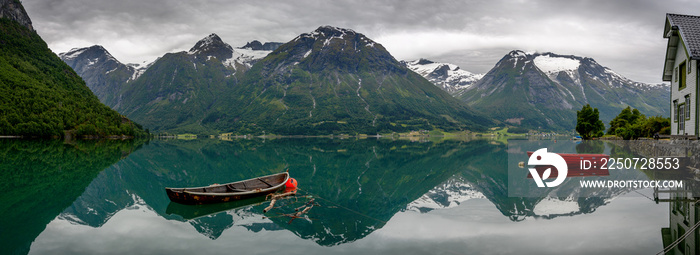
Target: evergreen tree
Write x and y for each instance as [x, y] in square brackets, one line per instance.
[588, 122]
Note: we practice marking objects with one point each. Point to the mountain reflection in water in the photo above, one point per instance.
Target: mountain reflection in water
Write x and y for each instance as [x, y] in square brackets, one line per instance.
[382, 188]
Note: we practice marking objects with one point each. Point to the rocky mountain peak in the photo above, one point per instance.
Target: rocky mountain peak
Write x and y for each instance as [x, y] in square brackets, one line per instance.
[13, 10]
[209, 44]
[75, 52]
[254, 45]
[92, 55]
[516, 54]
[514, 58]
[423, 61]
[442, 71]
[545, 89]
[344, 49]
[331, 35]
[257, 45]
[330, 31]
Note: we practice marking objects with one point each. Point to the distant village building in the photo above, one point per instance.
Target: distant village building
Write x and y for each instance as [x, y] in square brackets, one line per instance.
[680, 68]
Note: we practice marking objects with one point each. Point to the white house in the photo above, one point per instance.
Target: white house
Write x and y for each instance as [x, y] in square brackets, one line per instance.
[680, 68]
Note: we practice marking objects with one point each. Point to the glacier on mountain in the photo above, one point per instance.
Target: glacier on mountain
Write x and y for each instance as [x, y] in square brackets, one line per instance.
[446, 76]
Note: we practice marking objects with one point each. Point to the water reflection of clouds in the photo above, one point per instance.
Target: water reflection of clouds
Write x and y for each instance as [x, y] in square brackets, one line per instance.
[630, 224]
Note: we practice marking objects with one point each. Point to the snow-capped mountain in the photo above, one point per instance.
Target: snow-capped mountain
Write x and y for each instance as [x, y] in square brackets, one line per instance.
[446, 195]
[95, 58]
[577, 67]
[448, 77]
[102, 72]
[237, 59]
[544, 90]
[190, 81]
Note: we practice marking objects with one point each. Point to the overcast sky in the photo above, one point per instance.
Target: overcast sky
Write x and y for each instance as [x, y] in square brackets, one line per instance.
[623, 35]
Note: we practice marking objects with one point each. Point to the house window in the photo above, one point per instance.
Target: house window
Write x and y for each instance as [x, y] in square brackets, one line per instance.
[681, 123]
[687, 107]
[681, 76]
[675, 73]
[675, 110]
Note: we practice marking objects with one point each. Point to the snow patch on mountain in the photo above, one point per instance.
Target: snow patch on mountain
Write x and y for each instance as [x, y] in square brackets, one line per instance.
[574, 67]
[76, 52]
[307, 53]
[139, 69]
[249, 54]
[112, 70]
[72, 54]
[554, 206]
[244, 57]
[551, 65]
[446, 76]
[449, 194]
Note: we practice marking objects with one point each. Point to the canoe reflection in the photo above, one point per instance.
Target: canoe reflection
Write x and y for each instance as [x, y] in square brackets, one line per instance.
[190, 212]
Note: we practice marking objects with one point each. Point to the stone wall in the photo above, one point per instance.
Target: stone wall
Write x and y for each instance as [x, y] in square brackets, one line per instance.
[687, 150]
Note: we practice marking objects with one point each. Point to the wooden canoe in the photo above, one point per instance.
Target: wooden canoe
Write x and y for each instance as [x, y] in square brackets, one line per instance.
[218, 193]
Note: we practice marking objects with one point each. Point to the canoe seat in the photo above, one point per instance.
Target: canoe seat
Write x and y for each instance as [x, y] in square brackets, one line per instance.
[230, 187]
[268, 184]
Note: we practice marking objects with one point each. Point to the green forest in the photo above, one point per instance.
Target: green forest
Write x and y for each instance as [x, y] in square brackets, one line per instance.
[40, 96]
[630, 124]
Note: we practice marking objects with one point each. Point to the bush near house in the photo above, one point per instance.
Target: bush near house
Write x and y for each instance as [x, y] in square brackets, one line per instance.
[631, 124]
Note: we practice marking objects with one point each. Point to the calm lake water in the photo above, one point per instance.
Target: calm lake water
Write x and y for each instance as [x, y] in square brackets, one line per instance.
[372, 197]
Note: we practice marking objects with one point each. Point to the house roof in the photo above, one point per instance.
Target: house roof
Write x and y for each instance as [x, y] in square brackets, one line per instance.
[680, 30]
[689, 28]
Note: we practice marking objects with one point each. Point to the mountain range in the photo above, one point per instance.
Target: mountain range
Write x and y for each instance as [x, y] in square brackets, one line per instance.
[329, 81]
[173, 92]
[535, 91]
[335, 80]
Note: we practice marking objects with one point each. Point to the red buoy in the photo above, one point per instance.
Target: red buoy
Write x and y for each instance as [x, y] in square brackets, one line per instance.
[291, 183]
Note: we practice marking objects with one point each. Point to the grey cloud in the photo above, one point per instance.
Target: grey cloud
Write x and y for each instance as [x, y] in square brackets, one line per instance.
[623, 35]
